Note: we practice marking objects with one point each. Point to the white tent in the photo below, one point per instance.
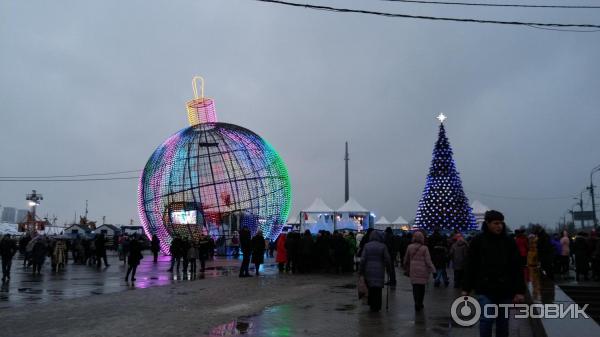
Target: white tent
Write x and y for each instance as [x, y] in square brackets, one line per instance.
[399, 223]
[318, 216]
[293, 219]
[479, 210]
[352, 207]
[321, 225]
[347, 223]
[318, 206]
[382, 223]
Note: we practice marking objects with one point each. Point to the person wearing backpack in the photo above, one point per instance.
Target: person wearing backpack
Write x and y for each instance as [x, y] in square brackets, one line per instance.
[418, 265]
[374, 261]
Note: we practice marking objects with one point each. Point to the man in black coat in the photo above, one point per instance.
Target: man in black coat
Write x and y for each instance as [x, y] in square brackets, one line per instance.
[545, 252]
[292, 243]
[246, 246]
[101, 251]
[494, 272]
[258, 250]
[391, 247]
[155, 247]
[134, 258]
[306, 252]
[176, 252]
[8, 248]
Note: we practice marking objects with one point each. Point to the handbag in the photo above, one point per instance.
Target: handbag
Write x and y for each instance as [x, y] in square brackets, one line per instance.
[363, 290]
[407, 265]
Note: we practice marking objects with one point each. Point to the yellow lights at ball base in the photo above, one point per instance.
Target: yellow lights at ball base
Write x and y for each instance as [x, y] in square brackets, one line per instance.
[442, 117]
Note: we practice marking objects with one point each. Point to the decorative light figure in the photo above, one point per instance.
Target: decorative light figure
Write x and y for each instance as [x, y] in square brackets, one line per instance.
[213, 178]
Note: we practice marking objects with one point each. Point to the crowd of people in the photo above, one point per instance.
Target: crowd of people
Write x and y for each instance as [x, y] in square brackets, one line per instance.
[492, 264]
[87, 251]
[189, 253]
[555, 254]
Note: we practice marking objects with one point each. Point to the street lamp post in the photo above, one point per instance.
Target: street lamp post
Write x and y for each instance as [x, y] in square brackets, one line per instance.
[572, 211]
[591, 189]
[580, 202]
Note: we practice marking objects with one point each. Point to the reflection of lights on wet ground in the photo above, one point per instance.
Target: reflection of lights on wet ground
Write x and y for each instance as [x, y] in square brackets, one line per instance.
[80, 280]
[273, 321]
[232, 328]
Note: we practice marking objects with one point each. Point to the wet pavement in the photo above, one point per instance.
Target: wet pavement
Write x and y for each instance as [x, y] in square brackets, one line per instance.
[77, 281]
[85, 301]
[340, 313]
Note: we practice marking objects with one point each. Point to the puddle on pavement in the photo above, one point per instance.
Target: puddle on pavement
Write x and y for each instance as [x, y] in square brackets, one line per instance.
[272, 321]
[346, 307]
[30, 291]
[233, 328]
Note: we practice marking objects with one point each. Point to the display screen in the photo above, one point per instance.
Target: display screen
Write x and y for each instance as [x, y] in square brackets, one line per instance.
[183, 217]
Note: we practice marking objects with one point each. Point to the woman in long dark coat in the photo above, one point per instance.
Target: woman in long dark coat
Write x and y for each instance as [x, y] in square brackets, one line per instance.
[155, 247]
[38, 254]
[582, 262]
[307, 249]
[374, 261]
[258, 250]
[135, 255]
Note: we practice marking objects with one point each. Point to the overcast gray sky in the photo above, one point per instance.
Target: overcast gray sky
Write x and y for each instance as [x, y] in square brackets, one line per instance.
[96, 86]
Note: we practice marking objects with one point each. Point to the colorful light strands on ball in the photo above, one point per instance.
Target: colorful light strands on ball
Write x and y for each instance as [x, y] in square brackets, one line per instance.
[444, 204]
[212, 178]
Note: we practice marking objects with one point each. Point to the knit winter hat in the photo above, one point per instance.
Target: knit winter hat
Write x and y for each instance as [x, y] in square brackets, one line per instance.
[493, 215]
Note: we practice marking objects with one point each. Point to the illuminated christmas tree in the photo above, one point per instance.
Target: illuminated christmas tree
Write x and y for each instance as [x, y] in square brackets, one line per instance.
[444, 204]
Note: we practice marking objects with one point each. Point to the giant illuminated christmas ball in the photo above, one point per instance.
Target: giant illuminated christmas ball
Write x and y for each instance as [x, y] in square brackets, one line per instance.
[213, 178]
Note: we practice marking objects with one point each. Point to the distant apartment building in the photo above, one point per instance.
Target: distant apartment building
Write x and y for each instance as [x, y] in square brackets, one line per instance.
[8, 214]
[21, 215]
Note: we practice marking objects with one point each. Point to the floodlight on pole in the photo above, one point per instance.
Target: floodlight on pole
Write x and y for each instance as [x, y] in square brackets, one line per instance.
[34, 199]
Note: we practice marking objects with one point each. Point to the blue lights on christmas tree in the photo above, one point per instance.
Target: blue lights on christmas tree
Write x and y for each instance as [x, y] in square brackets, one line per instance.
[444, 204]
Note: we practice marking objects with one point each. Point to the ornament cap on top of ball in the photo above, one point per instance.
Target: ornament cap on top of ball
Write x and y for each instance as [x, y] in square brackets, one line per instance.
[200, 109]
